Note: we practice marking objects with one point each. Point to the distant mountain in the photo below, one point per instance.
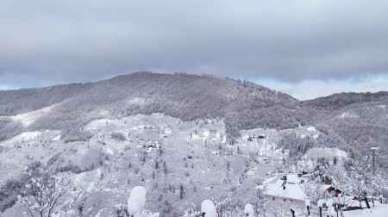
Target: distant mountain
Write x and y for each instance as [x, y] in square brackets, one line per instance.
[361, 119]
[242, 104]
[19, 101]
[340, 100]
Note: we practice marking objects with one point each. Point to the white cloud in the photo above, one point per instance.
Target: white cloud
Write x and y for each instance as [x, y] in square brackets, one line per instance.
[6, 87]
[309, 89]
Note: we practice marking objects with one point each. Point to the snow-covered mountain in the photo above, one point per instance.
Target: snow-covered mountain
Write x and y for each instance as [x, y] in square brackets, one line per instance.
[360, 119]
[185, 138]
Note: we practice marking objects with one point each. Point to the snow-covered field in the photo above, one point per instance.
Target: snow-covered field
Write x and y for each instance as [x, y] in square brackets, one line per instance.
[378, 211]
[27, 119]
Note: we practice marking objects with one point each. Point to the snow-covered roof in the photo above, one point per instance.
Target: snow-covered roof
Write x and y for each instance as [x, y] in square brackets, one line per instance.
[293, 178]
[324, 188]
[293, 190]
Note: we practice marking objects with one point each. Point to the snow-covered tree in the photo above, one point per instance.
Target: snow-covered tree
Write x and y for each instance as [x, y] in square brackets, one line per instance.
[42, 192]
[249, 210]
[208, 209]
[136, 201]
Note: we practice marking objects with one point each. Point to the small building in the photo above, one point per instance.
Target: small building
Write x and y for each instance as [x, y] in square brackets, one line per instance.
[286, 192]
[330, 191]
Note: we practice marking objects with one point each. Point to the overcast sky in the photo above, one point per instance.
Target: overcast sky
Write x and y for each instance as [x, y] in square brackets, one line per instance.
[307, 48]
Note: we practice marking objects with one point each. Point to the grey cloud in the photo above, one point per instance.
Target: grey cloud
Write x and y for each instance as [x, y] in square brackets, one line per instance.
[44, 41]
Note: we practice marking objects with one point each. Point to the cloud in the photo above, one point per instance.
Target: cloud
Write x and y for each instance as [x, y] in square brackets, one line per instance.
[310, 89]
[48, 42]
[5, 87]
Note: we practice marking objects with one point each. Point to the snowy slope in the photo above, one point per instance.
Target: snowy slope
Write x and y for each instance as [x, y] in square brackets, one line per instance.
[378, 211]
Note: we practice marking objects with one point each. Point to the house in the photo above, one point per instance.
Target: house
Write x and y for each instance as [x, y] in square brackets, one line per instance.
[330, 191]
[351, 203]
[333, 195]
[285, 187]
[286, 192]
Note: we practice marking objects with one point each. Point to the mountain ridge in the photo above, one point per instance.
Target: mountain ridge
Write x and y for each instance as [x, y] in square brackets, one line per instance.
[242, 104]
[362, 96]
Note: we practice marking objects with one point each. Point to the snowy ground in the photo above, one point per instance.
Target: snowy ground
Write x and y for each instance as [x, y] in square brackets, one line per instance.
[378, 211]
[27, 119]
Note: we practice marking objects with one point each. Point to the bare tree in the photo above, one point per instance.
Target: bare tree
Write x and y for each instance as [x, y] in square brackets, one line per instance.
[42, 193]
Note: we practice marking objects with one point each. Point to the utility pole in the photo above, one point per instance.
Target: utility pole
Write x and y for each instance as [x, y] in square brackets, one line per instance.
[374, 149]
